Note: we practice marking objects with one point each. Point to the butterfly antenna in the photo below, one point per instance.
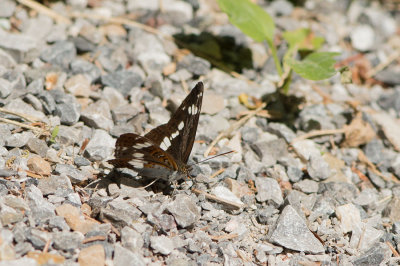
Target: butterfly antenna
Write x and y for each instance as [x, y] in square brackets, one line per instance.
[151, 183]
[212, 157]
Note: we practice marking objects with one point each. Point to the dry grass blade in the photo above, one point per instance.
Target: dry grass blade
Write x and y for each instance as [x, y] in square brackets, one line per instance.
[45, 10]
[227, 203]
[234, 127]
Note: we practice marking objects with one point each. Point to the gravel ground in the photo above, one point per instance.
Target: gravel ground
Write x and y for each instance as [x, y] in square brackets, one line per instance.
[286, 197]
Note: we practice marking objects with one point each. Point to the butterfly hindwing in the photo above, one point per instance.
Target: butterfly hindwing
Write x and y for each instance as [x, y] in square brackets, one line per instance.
[136, 152]
[178, 135]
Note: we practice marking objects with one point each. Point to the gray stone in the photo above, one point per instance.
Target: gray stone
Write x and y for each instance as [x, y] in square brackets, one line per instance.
[373, 150]
[50, 184]
[19, 106]
[291, 232]
[37, 146]
[81, 161]
[123, 256]
[68, 135]
[59, 223]
[307, 186]
[67, 240]
[80, 66]
[162, 244]
[98, 115]
[18, 139]
[41, 209]
[131, 239]
[123, 81]
[270, 151]
[268, 190]
[69, 113]
[125, 215]
[282, 131]
[46, 99]
[75, 175]
[23, 46]
[5, 88]
[294, 173]
[61, 53]
[6, 60]
[21, 261]
[374, 256]
[196, 65]
[100, 147]
[363, 38]
[150, 52]
[7, 8]
[318, 168]
[184, 210]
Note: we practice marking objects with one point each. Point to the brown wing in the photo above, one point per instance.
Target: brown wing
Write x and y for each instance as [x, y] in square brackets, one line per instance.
[137, 153]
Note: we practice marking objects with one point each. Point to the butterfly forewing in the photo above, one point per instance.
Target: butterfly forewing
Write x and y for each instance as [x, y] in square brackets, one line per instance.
[178, 135]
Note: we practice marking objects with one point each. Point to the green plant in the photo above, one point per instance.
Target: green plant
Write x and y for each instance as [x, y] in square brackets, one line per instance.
[257, 24]
[54, 134]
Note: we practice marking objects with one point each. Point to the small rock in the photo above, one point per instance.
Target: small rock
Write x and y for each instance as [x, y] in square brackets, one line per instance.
[93, 255]
[39, 166]
[60, 53]
[212, 103]
[318, 168]
[123, 257]
[349, 217]
[162, 244]
[131, 239]
[51, 184]
[100, 147]
[374, 256]
[268, 190]
[363, 38]
[69, 113]
[78, 85]
[226, 194]
[307, 186]
[75, 175]
[123, 81]
[291, 226]
[37, 146]
[67, 240]
[184, 210]
[98, 115]
[305, 149]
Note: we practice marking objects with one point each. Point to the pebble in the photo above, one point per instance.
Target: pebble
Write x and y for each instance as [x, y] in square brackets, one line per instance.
[184, 210]
[291, 226]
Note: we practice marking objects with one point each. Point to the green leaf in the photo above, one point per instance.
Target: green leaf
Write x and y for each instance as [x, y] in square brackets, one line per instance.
[54, 134]
[315, 66]
[295, 37]
[303, 39]
[249, 18]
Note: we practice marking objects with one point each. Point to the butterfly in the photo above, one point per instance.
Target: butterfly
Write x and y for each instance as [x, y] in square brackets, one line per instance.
[164, 151]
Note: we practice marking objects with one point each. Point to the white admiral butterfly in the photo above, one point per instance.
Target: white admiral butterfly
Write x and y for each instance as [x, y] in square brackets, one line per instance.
[164, 151]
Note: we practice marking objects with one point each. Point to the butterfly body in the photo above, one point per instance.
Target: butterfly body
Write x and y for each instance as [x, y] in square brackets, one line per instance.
[164, 151]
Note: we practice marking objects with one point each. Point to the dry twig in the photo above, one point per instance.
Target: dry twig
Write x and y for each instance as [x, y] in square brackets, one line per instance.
[234, 127]
[228, 203]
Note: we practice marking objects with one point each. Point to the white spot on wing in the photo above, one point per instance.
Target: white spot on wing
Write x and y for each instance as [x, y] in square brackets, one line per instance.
[194, 109]
[190, 110]
[181, 125]
[138, 155]
[136, 163]
[163, 146]
[166, 142]
[142, 145]
[173, 135]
